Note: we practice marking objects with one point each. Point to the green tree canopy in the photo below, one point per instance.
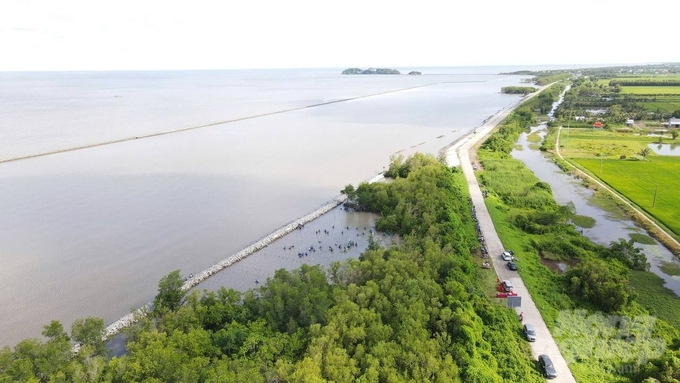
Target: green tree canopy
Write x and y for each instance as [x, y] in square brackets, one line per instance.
[170, 294]
[629, 255]
[89, 332]
[604, 284]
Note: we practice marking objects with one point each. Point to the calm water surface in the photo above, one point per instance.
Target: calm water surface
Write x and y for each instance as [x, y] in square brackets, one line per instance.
[90, 232]
[665, 149]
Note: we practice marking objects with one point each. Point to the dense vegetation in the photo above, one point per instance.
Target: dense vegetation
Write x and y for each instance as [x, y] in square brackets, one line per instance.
[609, 101]
[604, 72]
[518, 89]
[370, 71]
[594, 309]
[410, 313]
[644, 82]
[619, 154]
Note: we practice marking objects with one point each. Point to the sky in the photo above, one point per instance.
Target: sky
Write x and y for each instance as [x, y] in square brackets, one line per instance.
[229, 34]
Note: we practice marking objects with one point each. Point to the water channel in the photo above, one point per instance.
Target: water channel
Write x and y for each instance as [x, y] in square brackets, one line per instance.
[608, 226]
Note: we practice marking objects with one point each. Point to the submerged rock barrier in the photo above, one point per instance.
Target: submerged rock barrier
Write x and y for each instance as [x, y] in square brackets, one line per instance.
[130, 319]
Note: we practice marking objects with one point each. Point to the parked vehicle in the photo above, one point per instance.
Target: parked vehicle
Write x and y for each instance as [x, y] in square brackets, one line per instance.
[546, 366]
[529, 332]
[507, 286]
[512, 266]
[507, 256]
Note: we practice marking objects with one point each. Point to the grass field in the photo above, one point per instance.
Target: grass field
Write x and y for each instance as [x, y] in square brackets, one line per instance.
[599, 152]
[667, 104]
[638, 181]
[642, 238]
[650, 90]
[665, 98]
[600, 143]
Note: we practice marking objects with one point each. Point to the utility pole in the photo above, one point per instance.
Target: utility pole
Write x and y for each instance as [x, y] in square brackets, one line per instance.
[568, 131]
[655, 190]
[601, 158]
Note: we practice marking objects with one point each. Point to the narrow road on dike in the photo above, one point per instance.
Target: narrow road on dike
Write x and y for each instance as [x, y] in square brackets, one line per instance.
[544, 344]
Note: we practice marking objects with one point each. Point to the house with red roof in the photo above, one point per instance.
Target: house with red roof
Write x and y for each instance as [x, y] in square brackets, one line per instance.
[598, 125]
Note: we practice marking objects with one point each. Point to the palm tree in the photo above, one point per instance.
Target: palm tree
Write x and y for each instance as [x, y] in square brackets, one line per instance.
[644, 152]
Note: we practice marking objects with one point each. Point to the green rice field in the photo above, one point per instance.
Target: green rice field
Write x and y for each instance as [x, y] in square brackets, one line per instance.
[668, 104]
[650, 89]
[638, 180]
[579, 143]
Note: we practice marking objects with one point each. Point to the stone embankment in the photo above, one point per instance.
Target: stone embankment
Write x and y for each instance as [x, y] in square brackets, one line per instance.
[130, 319]
[115, 327]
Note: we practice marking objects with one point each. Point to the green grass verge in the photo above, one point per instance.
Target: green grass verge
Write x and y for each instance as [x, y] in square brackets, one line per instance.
[583, 221]
[642, 238]
[670, 268]
[538, 278]
[606, 202]
[534, 138]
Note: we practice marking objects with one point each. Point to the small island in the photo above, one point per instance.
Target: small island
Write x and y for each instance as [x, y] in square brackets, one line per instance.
[370, 71]
[415, 73]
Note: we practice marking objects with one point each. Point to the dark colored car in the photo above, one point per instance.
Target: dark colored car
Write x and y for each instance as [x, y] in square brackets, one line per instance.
[546, 366]
[512, 266]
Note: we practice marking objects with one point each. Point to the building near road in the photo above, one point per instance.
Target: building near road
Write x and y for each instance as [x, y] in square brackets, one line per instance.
[674, 122]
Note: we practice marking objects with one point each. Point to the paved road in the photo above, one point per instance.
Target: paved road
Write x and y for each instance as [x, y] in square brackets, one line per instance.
[545, 344]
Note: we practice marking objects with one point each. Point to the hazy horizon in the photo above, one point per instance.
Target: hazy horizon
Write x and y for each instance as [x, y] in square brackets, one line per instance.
[402, 67]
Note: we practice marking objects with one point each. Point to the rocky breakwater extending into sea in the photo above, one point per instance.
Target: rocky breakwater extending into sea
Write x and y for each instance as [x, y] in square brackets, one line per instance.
[130, 319]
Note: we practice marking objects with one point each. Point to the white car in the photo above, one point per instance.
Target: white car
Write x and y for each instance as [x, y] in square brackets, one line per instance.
[507, 256]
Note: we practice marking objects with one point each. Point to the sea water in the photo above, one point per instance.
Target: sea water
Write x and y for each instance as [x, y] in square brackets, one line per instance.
[90, 232]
